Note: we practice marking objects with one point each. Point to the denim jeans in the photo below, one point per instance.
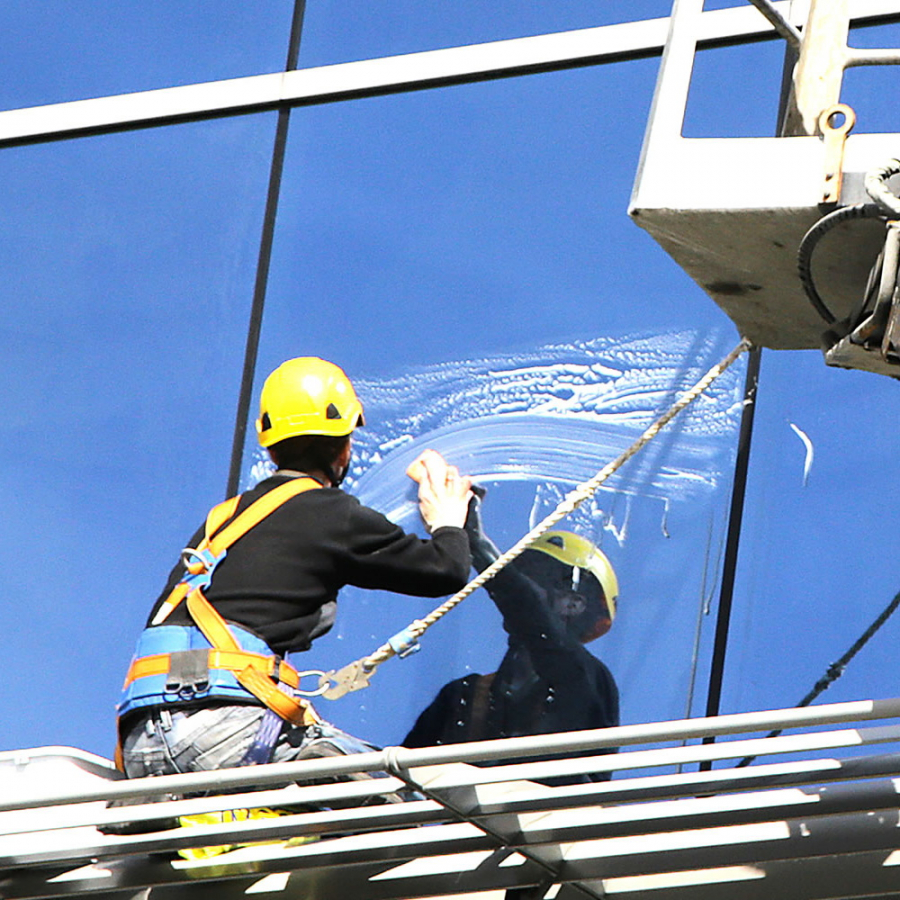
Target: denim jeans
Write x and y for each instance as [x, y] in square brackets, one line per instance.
[160, 742]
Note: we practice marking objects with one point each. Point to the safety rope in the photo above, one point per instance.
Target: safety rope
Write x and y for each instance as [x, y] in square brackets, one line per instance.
[836, 669]
[356, 675]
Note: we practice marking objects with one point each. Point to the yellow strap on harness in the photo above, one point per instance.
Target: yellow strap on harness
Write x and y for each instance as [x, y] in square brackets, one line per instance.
[253, 672]
[250, 517]
[258, 510]
[252, 677]
[217, 517]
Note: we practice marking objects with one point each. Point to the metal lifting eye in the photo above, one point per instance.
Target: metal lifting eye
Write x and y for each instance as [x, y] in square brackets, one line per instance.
[840, 118]
[324, 684]
[193, 561]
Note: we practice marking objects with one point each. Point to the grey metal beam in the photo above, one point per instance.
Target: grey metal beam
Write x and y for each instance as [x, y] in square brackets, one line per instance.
[796, 773]
[398, 760]
[845, 876]
[485, 831]
[582, 851]
[391, 75]
[773, 882]
[479, 804]
[735, 845]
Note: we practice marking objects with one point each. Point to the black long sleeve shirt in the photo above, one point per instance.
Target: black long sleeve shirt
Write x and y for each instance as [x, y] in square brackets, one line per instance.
[566, 687]
[281, 578]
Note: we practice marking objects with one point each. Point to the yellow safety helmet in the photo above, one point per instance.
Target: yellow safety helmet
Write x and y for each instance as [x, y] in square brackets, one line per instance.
[580, 553]
[307, 395]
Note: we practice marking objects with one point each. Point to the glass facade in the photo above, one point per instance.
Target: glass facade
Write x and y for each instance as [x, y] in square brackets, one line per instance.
[129, 263]
[465, 254]
[65, 52]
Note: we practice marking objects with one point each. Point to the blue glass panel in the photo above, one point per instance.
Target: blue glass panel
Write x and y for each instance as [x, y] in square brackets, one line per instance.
[749, 75]
[814, 567]
[128, 265]
[816, 553]
[466, 255]
[866, 87]
[425, 208]
[72, 51]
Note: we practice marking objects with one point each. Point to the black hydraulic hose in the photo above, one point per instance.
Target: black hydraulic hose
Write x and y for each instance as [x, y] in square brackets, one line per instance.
[836, 669]
[267, 238]
[812, 238]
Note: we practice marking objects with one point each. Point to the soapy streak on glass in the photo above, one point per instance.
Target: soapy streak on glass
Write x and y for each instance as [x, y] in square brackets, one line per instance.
[553, 418]
[530, 426]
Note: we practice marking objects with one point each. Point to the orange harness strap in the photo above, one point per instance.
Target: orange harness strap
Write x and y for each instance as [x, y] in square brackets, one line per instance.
[252, 671]
[159, 663]
[218, 515]
[253, 676]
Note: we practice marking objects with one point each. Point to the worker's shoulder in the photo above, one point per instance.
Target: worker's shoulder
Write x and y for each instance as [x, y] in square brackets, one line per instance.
[464, 685]
[331, 506]
[309, 489]
[601, 672]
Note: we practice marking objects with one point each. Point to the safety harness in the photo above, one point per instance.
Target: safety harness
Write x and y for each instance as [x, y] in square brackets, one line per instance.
[229, 666]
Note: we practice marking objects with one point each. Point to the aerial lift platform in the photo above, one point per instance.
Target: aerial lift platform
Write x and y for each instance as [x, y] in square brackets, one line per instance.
[734, 212]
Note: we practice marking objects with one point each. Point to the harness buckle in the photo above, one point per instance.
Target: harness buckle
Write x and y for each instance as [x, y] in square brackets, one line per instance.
[188, 673]
[199, 566]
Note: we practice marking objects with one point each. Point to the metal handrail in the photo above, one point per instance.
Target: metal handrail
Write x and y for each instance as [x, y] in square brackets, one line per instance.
[398, 760]
[511, 812]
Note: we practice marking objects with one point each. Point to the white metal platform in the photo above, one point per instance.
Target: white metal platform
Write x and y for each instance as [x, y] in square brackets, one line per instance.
[818, 819]
[733, 211]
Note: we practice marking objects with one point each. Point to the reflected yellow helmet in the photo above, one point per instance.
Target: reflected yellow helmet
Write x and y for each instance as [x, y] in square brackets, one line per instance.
[580, 553]
[307, 395]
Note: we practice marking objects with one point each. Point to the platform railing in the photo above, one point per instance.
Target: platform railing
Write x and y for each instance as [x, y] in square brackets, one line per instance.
[521, 812]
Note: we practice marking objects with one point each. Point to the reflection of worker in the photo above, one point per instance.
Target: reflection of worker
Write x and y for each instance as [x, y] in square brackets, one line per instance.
[208, 687]
[557, 596]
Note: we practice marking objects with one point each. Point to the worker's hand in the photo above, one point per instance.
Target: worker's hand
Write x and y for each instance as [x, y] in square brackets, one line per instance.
[444, 494]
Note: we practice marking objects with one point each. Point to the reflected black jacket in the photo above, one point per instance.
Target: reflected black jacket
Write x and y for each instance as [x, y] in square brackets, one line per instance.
[570, 689]
[281, 578]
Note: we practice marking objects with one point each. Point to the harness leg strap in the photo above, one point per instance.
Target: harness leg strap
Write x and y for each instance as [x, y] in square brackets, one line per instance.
[262, 687]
